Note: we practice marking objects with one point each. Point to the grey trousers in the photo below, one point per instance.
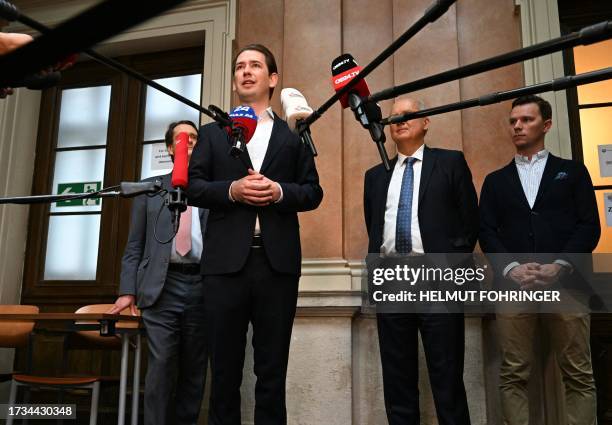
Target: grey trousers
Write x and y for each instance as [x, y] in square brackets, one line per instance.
[176, 369]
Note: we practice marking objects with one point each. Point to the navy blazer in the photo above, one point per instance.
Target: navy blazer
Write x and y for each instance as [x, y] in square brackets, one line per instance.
[447, 206]
[564, 217]
[231, 224]
[145, 261]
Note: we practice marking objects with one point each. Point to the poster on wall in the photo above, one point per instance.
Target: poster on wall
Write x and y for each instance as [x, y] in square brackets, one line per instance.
[608, 207]
[160, 158]
[605, 160]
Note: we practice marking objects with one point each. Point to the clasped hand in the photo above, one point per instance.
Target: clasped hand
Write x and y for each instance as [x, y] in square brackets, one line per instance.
[534, 275]
[255, 189]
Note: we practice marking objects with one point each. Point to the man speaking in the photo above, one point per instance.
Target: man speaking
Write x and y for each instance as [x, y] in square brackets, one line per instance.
[252, 257]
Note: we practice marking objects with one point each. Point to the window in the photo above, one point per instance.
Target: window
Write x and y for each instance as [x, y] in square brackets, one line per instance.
[591, 130]
[98, 128]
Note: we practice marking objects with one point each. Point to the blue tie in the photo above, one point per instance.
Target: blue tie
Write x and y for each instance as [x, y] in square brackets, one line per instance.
[403, 238]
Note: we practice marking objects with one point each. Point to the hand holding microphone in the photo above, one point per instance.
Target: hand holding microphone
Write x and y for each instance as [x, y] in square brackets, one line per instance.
[295, 110]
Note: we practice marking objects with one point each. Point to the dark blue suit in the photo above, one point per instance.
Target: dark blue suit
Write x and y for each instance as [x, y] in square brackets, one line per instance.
[448, 220]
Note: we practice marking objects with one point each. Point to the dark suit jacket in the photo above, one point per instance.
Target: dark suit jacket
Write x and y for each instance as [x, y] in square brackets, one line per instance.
[145, 261]
[231, 224]
[448, 205]
[564, 217]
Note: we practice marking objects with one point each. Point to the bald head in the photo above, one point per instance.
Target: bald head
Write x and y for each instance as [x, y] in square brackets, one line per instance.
[408, 135]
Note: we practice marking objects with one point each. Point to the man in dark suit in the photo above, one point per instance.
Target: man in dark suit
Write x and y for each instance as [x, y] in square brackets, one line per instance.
[252, 257]
[540, 203]
[163, 280]
[426, 204]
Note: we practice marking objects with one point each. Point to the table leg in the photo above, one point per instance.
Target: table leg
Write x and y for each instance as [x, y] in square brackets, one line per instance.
[136, 383]
[125, 341]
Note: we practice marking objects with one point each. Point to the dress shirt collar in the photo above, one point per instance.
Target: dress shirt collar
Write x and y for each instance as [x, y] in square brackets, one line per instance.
[520, 159]
[418, 154]
[267, 115]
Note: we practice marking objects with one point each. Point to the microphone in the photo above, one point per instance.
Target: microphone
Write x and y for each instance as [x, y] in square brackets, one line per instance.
[344, 69]
[37, 81]
[130, 189]
[295, 110]
[176, 199]
[244, 123]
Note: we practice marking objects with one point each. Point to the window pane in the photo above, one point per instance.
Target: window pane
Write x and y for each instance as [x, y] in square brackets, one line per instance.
[162, 109]
[596, 127]
[83, 166]
[84, 117]
[155, 160]
[590, 58]
[72, 247]
[600, 263]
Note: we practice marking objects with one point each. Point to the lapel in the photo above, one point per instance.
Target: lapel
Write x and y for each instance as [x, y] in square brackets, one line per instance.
[550, 171]
[383, 188]
[511, 174]
[244, 156]
[274, 145]
[429, 161]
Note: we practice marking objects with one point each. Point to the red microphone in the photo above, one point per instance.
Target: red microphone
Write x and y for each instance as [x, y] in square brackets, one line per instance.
[244, 123]
[181, 161]
[176, 200]
[344, 69]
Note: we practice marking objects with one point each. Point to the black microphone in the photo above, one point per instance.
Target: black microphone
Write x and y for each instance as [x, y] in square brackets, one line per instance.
[37, 81]
[344, 69]
[130, 189]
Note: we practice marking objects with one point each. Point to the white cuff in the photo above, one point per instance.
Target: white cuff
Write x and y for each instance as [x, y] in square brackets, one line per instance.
[229, 192]
[510, 267]
[280, 198]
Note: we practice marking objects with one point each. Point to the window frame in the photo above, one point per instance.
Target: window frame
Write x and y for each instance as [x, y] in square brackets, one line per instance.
[122, 163]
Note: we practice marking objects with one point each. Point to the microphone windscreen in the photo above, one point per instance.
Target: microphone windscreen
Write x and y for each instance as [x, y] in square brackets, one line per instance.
[245, 118]
[344, 69]
[181, 161]
[294, 106]
[37, 81]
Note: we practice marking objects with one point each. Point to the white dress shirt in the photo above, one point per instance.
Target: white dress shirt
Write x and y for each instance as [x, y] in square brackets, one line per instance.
[393, 197]
[530, 173]
[257, 148]
[193, 256]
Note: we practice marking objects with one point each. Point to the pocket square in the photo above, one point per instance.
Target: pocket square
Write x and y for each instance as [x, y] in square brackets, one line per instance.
[561, 175]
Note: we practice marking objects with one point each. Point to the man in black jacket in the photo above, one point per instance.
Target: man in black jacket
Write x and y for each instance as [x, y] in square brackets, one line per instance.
[540, 203]
[426, 204]
[252, 257]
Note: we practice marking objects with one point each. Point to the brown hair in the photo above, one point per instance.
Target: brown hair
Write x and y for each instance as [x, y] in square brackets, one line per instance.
[270, 61]
[170, 131]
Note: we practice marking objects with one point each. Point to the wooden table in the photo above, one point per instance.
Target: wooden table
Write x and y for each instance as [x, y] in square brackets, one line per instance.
[106, 324]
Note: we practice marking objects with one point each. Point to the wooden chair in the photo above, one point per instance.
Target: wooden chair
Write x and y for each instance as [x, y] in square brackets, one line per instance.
[80, 339]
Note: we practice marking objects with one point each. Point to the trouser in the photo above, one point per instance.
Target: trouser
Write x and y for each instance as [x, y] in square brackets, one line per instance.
[267, 299]
[443, 344]
[176, 336]
[569, 337]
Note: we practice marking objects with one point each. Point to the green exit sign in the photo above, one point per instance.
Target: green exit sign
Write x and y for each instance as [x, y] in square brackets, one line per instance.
[74, 188]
